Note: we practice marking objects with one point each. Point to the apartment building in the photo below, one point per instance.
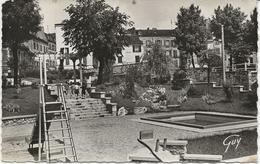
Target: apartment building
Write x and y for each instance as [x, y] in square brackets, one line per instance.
[141, 42]
[41, 44]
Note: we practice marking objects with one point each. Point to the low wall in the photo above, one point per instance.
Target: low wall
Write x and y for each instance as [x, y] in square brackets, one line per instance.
[240, 77]
[234, 77]
[212, 88]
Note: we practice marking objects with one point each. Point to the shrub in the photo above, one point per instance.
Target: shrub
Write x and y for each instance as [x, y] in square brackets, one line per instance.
[4, 82]
[10, 107]
[178, 78]
[194, 93]
[123, 102]
[228, 89]
[117, 80]
[35, 73]
[179, 75]
[132, 75]
[52, 75]
[252, 96]
[34, 85]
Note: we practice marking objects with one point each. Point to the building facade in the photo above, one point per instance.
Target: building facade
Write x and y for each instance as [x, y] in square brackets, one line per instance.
[141, 42]
[30, 51]
[51, 58]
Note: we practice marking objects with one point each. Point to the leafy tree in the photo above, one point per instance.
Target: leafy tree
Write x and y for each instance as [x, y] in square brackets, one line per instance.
[233, 20]
[211, 60]
[158, 62]
[94, 26]
[191, 33]
[251, 31]
[21, 19]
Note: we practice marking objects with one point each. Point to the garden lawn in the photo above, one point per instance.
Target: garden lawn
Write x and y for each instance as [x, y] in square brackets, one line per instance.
[28, 100]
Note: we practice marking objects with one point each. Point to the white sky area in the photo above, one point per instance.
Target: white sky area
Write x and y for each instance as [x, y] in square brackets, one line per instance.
[144, 13]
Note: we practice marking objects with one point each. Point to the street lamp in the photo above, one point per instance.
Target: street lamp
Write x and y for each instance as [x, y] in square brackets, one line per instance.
[223, 53]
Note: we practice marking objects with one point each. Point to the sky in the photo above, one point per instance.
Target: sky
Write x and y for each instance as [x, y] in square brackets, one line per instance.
[161, 14]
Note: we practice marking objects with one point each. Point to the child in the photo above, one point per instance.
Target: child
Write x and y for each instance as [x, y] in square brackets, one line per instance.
[76, 89]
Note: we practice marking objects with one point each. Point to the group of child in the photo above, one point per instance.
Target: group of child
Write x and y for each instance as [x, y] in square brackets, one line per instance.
[74, 88]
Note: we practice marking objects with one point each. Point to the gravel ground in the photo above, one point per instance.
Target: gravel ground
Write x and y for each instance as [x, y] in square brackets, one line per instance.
[98, 139]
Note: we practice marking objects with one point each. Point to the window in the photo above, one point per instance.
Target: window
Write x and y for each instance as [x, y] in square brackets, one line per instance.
[137, 59]
[136, 48]
[62, 50]
[34, 45]
[37, 46]
[66, 50]
[40, 47]
[53, 47]
[175, 54]
[251, 60]
[166, 43]
[159, 42]
[168, 52]
[67, 61]
[173, 43]
[120, 59]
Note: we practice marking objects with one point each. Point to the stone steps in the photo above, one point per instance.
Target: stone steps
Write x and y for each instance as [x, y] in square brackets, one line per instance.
[86, 108]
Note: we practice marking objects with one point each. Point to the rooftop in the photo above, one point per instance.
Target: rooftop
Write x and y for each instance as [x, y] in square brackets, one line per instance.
[152, 32]
[51, 37]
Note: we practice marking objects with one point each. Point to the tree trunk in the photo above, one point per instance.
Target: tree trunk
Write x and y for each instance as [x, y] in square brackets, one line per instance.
[74, 70]
[100, 72]
[80, 72]
[192, 60]
[231, 62]
[16, 62]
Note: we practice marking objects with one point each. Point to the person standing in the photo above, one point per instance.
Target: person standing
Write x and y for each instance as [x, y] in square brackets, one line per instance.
[76, 89]
[84, 87]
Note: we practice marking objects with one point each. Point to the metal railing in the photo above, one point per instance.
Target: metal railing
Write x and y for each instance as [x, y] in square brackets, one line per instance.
[122, 68]
[242, 66]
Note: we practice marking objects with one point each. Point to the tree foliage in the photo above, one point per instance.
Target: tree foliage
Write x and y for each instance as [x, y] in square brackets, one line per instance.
[191, 33]
[233, 20]
[210, 59]
[251, 31]
[94, 26]
[21, 20]
[158, 62]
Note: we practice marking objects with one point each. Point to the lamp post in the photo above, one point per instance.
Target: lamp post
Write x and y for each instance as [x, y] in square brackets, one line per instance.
[223, 53]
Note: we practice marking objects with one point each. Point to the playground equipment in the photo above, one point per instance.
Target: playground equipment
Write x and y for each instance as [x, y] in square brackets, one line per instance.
[52, 112]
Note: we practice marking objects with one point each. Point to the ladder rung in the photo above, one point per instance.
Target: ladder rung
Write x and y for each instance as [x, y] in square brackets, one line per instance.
[54, 139]
[60, 147]
[58, 129]
[55, 111]
[57, 120]
[53, 103]
[63, 156]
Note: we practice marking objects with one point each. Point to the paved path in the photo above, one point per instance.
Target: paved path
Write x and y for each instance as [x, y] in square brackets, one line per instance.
[97, 139]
